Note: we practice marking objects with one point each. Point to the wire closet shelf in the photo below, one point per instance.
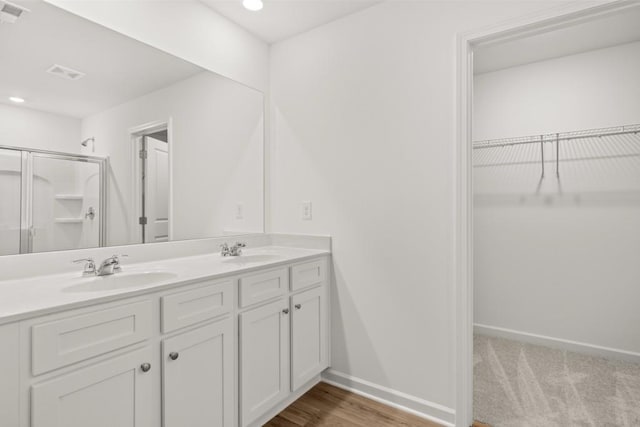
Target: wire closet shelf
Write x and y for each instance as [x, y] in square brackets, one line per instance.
[601, 143]
[555, 137]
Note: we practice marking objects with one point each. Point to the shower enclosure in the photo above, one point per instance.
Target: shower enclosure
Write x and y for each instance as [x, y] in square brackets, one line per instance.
[51, 201]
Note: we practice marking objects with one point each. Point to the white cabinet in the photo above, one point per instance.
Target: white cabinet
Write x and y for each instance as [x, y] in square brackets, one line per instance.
[284, 345]
[115, 392]
[264, 359]
[9, 375]
[172, 358]
[309, 332]
[198, 377]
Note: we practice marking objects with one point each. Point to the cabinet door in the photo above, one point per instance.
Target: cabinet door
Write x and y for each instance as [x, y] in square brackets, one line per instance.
[309, 329]
[116, 392]
[198, 377]
[264, 359]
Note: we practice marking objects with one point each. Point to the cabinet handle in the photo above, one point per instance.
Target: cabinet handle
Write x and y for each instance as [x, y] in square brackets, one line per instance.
[145, 367]
[174, 355]
[298, 306]
[285, 311]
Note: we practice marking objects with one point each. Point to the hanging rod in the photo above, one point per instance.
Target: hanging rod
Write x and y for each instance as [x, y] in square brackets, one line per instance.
[556, 137]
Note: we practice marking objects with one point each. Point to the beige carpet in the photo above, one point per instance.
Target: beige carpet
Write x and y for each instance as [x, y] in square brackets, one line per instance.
[523, 385]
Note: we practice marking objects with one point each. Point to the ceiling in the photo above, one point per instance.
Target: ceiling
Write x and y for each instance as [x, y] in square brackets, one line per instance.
[280, 19]
[610, 30]
[117, 68]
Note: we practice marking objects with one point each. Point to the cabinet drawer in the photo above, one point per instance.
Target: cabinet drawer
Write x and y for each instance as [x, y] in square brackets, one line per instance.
[72, 339]
[263, 286]
[308, 274]
[196, 305]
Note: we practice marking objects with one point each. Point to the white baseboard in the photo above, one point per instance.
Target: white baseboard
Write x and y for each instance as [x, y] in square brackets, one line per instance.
[558, 343]
[422, 408]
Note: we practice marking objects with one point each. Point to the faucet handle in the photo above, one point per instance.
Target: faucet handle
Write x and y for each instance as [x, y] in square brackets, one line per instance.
[89, 267]
[224, 249]
[241, 244]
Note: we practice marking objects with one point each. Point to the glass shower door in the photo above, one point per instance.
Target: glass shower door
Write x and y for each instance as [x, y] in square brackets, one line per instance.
[66, 206]
[10, 201]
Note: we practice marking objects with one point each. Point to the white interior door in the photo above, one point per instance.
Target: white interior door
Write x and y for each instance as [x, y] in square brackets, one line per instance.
[156, 191]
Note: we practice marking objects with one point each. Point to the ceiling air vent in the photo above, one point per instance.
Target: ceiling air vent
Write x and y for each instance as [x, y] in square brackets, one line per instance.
[65, 72]
[10, 12]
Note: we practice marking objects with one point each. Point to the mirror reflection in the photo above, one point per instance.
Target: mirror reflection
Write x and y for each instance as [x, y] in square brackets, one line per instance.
[107, 141]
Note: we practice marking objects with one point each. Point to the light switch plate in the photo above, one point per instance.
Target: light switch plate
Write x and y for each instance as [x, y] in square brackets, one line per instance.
[305, 211]
[239, 211]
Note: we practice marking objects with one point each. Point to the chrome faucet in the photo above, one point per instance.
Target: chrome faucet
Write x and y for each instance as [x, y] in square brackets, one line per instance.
[235, 250]
[109, 266]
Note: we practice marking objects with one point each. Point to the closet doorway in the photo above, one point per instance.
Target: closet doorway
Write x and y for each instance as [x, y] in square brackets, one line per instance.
[556, 226]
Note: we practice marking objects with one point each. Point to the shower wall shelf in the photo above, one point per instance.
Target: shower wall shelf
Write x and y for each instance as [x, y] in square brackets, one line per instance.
[69, 220]
[69, 197]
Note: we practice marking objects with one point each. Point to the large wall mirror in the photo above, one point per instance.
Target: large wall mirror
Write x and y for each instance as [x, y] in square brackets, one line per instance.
[107, 141]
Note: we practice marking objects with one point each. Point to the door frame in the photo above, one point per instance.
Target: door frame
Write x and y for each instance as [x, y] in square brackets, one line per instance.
[466, 43]
[135, 133]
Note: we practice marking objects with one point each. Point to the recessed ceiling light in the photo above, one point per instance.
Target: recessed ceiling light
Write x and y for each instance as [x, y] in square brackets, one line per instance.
[16, 99]
[253, 5]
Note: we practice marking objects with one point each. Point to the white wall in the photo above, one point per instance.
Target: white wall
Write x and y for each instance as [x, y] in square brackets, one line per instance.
[363, 126]
[24, 127]
[600, 88]
[217, 151]
[185, 28]
[561, 265]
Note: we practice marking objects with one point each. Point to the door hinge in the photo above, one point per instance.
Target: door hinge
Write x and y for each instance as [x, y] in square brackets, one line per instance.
[142, 220]
[143, 154]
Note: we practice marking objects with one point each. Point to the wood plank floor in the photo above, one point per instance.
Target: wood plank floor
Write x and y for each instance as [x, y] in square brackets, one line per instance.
[326, 405]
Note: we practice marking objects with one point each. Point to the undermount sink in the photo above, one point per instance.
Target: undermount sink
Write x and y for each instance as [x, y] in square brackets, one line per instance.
[253, 258]
[118, 281]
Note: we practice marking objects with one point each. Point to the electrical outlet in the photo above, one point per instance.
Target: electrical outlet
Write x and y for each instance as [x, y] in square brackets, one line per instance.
[305, 211]
[239, 211]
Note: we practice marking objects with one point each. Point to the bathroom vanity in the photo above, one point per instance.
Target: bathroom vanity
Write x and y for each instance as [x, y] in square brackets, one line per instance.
[200, 341]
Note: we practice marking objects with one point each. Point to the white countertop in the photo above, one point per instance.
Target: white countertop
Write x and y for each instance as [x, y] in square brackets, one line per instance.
[38, 295]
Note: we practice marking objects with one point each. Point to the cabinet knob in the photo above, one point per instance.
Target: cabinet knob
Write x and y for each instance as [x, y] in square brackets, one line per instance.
[174, 355]
[145, 367]
[298, 306]
[285, 311]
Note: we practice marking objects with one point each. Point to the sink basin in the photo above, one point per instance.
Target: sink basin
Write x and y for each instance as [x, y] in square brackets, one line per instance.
[118, 281]
[251, 259]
